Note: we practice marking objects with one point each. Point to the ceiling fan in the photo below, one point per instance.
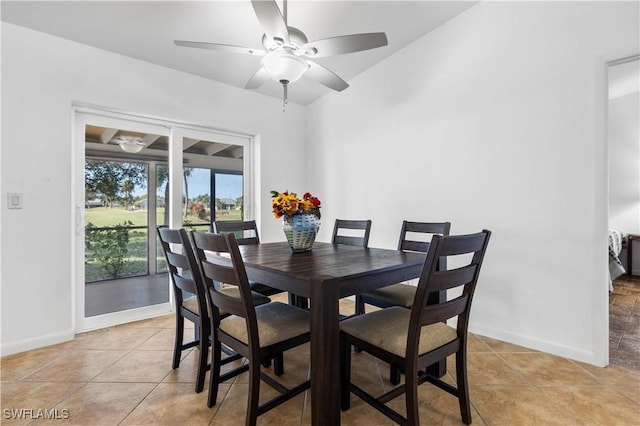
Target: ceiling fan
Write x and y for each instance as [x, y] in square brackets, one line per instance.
[286, 51]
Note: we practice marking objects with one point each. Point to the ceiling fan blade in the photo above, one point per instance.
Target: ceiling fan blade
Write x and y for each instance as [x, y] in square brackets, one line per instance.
[220, 47]
[344, 44]
[271, 19]
[258, 79]
[324, 76]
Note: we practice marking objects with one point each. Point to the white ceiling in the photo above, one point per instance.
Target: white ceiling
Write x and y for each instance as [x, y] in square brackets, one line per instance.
[146, 29]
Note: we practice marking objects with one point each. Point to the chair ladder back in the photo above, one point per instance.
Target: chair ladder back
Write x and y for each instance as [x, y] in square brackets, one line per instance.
[349, 240]
[218, 268]
[177, 260]
[433, 280]
[183, 268]
[463, 244]
[169, 236]
[441, 228]
[179, 269]
[434, 228]
[441, 312]
[446, 280]
[417, 246]
[218, 274]
[238, 228]
[185, 283]
[227, 303]
[358, 225]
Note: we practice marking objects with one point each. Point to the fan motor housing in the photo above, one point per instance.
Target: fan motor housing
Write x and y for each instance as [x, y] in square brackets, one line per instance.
[296, 40]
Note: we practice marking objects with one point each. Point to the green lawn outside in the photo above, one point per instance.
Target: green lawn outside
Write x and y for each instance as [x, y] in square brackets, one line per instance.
[103, 216]
[136, 260]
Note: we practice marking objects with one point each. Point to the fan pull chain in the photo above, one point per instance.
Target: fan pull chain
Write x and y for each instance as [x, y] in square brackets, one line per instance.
[285, 99]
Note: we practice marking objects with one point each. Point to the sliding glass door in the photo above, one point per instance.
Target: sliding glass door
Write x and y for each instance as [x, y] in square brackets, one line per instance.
[125, 192]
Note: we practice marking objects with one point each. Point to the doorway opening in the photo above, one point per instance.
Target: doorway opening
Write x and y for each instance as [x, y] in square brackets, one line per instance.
[623, 141]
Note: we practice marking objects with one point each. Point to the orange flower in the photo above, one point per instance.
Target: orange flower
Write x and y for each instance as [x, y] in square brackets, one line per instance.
[288, 204]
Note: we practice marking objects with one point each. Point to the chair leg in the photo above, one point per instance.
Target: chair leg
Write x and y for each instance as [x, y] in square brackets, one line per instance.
[297, 301]
[203, 348]
[254, 392]
[463, 387]
[177, 346]
[359, 311]
[302, 302]
[214, 379]
[411, 397]
[359, 305]
[345, 373]
[278, 365]
[293, 299]
[394, 375]
[196, 332]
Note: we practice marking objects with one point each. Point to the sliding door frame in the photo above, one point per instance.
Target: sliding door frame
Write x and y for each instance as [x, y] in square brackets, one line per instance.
[176, 132]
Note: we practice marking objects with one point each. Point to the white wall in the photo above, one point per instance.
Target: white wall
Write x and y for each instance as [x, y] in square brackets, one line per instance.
[491, 121]
[41, 77]
[624, 169]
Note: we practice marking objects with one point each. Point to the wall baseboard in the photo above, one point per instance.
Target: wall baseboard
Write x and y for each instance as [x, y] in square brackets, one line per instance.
[538, 345]
[35, 343]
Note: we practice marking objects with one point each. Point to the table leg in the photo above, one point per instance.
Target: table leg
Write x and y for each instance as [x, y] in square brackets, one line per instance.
[325, 353]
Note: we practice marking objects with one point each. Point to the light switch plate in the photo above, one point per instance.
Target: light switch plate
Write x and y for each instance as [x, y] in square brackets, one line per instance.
[14, 200]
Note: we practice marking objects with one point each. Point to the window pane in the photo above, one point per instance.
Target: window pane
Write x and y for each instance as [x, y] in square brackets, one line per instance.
[229, 197]
[116, 217]
[162, 194]
[196, 205]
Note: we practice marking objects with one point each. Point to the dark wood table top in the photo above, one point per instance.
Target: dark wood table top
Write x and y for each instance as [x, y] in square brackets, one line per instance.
[326, 262]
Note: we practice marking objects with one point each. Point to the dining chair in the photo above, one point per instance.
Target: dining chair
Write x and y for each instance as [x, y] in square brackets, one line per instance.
[246, 232]
[343, 231]
[413, 339]
[190, 298]
[351, 232]
[258, 333]
[403, 294]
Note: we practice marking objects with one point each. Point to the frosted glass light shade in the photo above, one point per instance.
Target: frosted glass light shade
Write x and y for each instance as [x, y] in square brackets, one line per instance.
[129, 144]
[283, 65]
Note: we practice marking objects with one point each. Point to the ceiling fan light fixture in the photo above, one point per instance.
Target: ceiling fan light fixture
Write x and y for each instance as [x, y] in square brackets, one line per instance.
[130, 144]
[283, 65]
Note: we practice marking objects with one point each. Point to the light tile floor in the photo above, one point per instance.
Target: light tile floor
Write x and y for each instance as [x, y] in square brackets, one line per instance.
[122, 376]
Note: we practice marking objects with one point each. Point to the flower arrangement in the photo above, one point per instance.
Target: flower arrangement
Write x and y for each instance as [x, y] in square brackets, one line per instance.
[288, 204]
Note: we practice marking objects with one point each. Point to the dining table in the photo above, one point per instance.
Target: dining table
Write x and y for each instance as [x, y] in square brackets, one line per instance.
[324, 275]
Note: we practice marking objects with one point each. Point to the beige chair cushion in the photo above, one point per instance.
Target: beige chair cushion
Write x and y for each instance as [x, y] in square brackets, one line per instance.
[191, 304]
[277, 322]
[396, 294]
[388, 328]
